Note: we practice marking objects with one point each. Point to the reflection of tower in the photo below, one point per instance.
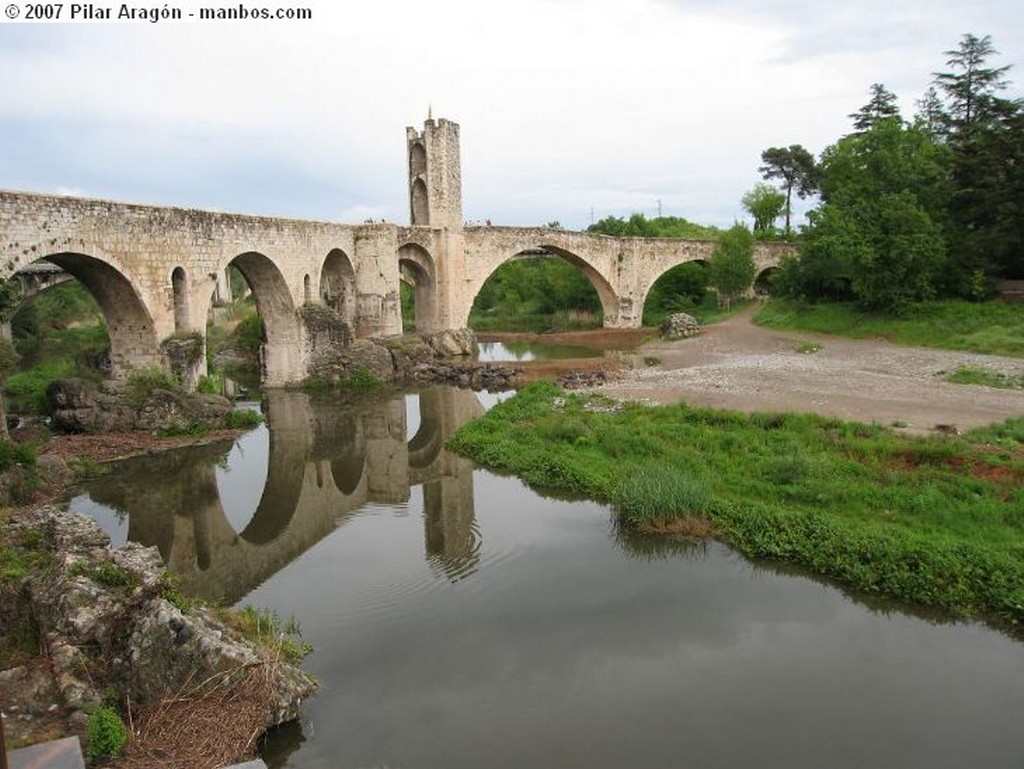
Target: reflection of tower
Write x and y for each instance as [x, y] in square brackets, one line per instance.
[435, 175]
[451, 534]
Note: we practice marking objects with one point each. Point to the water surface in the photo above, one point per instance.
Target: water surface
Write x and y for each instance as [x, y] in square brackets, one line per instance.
[460, 619]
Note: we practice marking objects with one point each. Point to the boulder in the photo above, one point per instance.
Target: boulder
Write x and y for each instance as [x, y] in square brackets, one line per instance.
[680, 326]
[452, 342]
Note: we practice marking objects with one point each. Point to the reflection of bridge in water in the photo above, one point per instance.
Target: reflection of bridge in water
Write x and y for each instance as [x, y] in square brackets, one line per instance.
[326, 461]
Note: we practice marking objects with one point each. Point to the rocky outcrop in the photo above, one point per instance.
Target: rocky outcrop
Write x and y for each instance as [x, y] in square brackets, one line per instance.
[478, 376]
[106, 623]
[80, 406]
[417, 358]
[680, 326]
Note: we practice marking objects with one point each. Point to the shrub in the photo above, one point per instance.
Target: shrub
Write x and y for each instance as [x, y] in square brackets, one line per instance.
[12, 454]
[243, 418]
[210, 384]
[107, 734]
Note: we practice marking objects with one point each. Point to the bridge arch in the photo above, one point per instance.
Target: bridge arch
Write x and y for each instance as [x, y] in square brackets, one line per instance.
[338, 284]
[134, 342]
[605, 293]
[417, 269]
[280, 358]
[655, 277]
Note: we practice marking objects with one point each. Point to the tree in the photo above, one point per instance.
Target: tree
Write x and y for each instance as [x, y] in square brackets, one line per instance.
[795, 167]
[986, 134]
[881, 106]
[931, 115]
[879, 232]
[731, 268]
[971, 87]
[765, 204]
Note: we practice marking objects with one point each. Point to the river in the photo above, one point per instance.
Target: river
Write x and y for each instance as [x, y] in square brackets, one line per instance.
[461, 619]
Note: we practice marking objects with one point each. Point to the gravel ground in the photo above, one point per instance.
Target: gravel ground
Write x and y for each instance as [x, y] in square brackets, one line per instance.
[738, 365]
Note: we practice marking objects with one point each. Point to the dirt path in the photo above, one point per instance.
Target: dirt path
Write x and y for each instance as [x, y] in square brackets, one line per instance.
[738, 365]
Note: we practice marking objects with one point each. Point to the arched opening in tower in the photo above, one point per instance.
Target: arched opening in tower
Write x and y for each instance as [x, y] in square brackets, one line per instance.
[416, 273]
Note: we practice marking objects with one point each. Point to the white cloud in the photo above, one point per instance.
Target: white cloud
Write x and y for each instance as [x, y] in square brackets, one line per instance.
[564, 105]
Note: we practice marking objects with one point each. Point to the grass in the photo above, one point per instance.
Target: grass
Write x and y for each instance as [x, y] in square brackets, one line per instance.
[938, 520]
[996, 327]
[265, 628]
[982, 375]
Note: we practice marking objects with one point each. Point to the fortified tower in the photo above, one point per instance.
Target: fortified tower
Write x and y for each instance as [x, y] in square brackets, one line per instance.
[435, 175]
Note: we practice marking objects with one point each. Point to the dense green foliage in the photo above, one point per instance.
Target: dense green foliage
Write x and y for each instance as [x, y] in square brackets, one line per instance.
[107, 734]
[639, 226]
[58, 333]
[732, 268]
[765, 204]
[684, 288]
[937, 520]
[536, 294]
[922, 209]
[996, 328]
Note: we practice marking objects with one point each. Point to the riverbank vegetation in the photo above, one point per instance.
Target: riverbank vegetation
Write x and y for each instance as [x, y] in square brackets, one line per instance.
[935, 520]
[994, 327]
[920, 209]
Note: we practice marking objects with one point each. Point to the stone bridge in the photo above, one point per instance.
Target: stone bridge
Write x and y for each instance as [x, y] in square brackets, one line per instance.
[156, 272]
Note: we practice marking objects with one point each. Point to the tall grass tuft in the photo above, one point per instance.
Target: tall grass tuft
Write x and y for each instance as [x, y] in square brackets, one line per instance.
[656, 492]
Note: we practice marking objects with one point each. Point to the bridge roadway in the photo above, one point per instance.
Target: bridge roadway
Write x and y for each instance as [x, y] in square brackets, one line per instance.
[156, 271]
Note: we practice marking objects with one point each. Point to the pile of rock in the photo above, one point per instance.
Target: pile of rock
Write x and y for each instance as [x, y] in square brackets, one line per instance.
[680, 326]
[105, 626]
[481, 376]
[580, 378]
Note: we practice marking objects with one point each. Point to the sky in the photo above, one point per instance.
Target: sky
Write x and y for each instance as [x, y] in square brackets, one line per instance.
[570, 110]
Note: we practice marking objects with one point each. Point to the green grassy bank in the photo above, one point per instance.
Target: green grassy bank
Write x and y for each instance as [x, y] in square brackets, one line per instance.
[995, 328]
[935, 520]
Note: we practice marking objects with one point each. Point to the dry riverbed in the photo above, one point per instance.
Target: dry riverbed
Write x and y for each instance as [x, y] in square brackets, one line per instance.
[738, 365]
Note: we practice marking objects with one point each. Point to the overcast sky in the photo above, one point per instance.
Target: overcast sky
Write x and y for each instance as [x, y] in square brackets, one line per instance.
[569, 108]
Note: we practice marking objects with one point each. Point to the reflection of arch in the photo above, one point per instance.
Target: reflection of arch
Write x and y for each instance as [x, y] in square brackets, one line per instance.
[286, 468]
[276, 309]
[428, 441]
[347, 469]
[179, 287]
[133, 342]
[417, 268]
[417, 159]
[338, 284]
[420, 209]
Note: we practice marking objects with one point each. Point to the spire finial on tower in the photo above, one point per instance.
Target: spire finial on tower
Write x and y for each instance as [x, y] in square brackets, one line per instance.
[430, 112]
